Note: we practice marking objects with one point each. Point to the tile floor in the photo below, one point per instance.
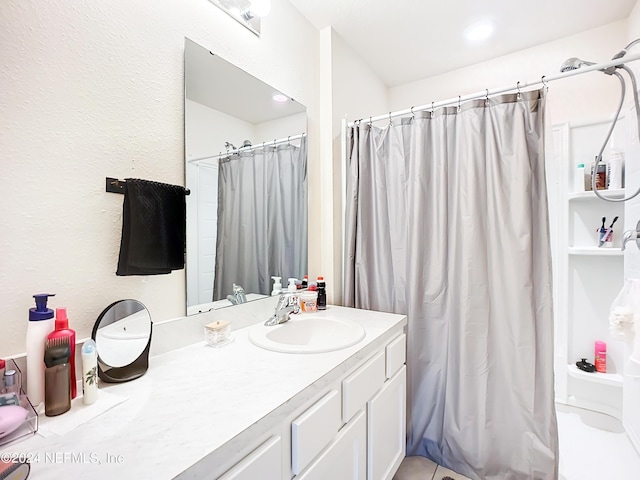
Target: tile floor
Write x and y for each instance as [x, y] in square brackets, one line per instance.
[592, 447]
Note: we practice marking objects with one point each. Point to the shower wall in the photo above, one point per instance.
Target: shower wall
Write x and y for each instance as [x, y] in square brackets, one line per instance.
[631, 386]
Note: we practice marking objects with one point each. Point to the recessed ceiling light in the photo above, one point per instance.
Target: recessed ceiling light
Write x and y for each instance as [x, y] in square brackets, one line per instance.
[278, 97]
[479, 31]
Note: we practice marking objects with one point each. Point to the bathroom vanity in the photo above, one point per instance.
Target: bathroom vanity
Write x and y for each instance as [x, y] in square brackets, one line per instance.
[241, 411]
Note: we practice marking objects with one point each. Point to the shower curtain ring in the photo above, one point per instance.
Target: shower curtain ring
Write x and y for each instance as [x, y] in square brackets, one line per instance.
[289, 140]
[413, 115]
[486, 98]
[390, 121]
[545, 84]
[519, 95]
[433, 111]
[459, 105]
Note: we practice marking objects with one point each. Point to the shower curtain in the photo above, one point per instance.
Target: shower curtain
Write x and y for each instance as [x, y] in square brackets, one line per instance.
[262, 218]
[447, 222]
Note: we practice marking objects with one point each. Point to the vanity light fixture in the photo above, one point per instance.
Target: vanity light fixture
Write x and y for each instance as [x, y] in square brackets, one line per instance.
[479, 31]
[260, 8]
[245, 12]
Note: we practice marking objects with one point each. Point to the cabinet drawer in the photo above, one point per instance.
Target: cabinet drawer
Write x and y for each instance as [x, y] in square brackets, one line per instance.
[396, 355]
[265, 462]
[344, 459]
[360, 386]
[313, 430]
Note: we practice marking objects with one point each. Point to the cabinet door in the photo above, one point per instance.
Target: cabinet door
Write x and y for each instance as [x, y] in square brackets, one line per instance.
[264, 463]
[386, 421]
[345, 458]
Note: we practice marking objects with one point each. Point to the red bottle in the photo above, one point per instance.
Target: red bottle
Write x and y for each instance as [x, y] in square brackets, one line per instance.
[63, 331]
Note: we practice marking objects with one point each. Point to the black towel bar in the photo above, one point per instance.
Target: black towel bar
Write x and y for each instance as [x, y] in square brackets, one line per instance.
[113, 185]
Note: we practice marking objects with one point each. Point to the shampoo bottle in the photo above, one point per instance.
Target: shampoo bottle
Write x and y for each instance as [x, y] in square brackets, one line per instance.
[601, 357]
[41, 323]
[62, 330]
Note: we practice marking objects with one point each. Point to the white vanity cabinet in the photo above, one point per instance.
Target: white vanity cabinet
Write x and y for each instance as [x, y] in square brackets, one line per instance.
[386, 420]
[354, 429]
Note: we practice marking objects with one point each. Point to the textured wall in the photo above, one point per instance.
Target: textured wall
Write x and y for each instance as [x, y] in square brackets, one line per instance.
[92, 89]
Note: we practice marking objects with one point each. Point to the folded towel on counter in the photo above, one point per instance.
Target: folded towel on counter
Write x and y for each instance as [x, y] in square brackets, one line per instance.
[153, 228]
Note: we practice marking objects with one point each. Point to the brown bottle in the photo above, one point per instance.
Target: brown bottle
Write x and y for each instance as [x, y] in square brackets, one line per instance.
[57, 377]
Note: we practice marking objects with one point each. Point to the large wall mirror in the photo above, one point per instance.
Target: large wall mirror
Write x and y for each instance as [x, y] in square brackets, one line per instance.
[246, 167]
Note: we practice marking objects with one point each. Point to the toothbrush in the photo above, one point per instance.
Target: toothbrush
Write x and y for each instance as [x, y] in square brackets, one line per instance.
[608, 231]
[602, 231]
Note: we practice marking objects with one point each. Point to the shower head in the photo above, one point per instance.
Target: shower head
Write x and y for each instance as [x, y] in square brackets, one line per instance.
[574, 63]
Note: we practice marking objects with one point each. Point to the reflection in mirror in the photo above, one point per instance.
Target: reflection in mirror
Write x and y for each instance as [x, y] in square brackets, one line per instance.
[246, 167]
[123, 337]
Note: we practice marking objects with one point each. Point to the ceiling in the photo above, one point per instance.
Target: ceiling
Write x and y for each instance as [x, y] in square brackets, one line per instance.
[408, 40]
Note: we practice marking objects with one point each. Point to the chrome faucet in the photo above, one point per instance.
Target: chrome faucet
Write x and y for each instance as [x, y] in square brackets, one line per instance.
[631, 235]
[238, 296]
[287, 304]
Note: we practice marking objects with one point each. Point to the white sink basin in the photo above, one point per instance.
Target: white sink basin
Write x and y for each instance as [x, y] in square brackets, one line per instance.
[307, 333]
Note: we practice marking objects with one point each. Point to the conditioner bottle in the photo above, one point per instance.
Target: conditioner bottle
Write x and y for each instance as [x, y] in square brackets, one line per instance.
[41, 323]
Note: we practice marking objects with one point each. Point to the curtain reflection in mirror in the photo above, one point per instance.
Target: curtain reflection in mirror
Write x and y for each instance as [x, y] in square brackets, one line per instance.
[262, 218]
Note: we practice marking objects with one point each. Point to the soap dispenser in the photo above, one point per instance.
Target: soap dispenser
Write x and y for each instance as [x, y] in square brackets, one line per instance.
[41, 323]
[277, 286]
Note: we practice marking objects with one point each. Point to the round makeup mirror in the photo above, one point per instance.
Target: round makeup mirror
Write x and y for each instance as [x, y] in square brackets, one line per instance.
[123, 338]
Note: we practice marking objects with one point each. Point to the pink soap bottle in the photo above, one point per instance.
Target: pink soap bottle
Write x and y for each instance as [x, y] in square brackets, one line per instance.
[63, 331]
[601, 357]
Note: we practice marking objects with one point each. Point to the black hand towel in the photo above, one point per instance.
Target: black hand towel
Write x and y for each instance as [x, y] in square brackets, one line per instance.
[153, 228]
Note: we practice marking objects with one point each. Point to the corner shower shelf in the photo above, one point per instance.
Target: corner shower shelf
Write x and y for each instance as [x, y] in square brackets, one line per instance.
[611, 379]
[618, 193]
[595, 251]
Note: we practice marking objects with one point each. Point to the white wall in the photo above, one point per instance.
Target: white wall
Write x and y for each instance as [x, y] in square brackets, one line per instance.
[95, 89]
[631, 386]
[353, 91]
[580, 98]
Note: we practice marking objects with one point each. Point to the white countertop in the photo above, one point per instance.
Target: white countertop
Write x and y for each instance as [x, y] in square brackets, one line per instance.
[197, 399]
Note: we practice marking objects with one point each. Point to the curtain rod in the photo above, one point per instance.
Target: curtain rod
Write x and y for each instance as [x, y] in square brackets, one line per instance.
[237, 151]
[473, 96]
